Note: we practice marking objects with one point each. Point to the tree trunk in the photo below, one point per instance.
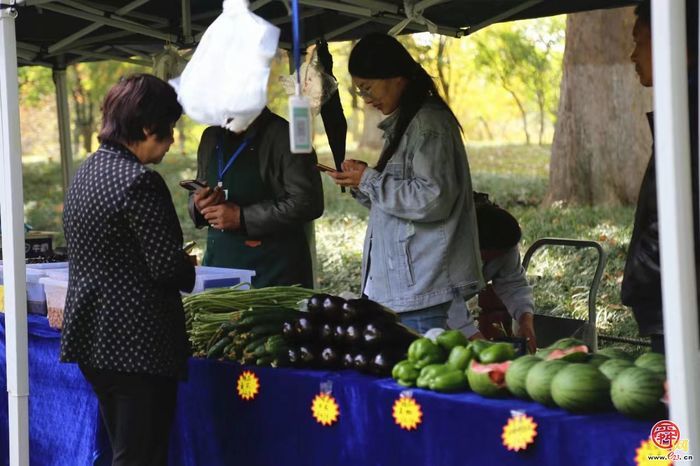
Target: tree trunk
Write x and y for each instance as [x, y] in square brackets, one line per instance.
[540, 109]
[602, 141]
[443, 67]
[86, 133]
[523, 113]
[371, 135]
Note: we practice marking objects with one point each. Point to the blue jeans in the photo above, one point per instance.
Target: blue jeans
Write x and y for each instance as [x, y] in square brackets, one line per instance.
[423, 320]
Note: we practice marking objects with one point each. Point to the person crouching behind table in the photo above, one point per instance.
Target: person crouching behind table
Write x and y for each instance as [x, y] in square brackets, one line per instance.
[507, 302]
[259, 202]
[124, 322]
[421, 249]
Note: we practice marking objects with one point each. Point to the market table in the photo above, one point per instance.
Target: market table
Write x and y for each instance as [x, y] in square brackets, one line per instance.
[214, 426]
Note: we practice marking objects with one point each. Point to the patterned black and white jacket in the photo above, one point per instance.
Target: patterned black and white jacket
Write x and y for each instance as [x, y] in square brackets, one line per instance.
[123, 308]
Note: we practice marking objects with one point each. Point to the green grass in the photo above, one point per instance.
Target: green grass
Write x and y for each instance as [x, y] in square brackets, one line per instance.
[516, 177]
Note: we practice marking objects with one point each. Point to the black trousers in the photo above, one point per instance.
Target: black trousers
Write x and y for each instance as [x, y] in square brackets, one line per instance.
[137, 411]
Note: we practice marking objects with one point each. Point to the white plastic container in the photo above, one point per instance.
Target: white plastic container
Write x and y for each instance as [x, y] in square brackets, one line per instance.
[36, 301]
[55, 290]
[220, 277]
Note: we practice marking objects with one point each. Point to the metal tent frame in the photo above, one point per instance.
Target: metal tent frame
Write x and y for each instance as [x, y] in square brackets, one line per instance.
[57, 33]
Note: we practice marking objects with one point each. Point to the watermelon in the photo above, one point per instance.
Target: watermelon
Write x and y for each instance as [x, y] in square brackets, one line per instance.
[517, 373]
[612, 367]
[596, 359]
[565, 343]
[488, 379]
[615, 353]
[577, 353]
[637, 392]
[539, 379]
[581, 388]
[655, 362]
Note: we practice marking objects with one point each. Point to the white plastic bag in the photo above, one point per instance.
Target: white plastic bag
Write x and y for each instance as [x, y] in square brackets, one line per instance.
[225, 82]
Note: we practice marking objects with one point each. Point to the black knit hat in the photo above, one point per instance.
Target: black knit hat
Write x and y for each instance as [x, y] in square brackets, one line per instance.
[379, 56]
[498, 229]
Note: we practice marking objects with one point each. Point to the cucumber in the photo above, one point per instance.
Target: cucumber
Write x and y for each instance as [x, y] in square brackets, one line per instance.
[218, 349]
[266, 329]
[264, 361]
[250, 347]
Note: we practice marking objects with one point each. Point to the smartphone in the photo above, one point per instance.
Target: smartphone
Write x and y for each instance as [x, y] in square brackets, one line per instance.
[193, 185]
[325, 168]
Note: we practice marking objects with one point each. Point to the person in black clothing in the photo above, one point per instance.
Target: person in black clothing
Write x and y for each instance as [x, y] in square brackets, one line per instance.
[641, 285]
[124, 322]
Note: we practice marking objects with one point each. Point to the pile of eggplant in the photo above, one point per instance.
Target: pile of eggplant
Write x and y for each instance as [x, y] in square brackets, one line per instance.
[355, 334]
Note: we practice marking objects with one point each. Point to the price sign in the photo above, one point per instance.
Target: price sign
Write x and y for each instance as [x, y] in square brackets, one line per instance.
[407, 412]
[325, 409]
[519, 432]
[248, 385]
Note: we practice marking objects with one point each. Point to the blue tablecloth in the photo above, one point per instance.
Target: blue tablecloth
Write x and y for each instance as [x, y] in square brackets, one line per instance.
[215, 427]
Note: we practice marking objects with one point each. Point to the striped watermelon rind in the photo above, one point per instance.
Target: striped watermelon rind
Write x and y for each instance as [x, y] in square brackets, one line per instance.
[615, 353]
[539, 380]
[597, 359]
[636, 392]
[488, 379]
[654, 362]
[612, 367]
[581, 388]
[517, 374]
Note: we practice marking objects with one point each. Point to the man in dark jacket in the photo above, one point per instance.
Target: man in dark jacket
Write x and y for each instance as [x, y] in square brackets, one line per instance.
[260, 200]
[641, 285]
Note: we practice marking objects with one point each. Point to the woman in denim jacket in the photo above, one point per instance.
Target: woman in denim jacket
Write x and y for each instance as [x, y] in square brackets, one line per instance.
[421, 249]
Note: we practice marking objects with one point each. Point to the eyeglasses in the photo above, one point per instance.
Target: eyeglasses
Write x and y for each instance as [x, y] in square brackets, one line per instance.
[365, 91]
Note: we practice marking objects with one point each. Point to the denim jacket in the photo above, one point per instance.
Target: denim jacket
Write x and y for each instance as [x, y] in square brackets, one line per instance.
[422, 240]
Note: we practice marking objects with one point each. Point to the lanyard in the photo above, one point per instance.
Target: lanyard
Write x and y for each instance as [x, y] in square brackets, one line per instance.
[296, 47]
[223, 169]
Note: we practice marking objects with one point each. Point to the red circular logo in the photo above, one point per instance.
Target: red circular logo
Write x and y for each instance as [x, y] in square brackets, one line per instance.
[665, 434]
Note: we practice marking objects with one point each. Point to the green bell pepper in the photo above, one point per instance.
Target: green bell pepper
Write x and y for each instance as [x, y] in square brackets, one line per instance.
[460, 356]
[497, 352]
[450, 339]
[451, 381]
[405, 373]
[479, 345]
[423, 352]
[428, 374]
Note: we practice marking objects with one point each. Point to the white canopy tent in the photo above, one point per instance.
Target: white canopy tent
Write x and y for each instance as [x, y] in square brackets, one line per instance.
[673, 162]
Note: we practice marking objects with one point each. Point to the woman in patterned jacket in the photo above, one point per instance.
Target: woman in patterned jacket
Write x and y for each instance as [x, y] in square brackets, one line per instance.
[124, 322]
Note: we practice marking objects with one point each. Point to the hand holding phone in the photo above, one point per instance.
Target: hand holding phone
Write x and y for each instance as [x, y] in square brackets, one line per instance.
[325, 168]
[193, 185]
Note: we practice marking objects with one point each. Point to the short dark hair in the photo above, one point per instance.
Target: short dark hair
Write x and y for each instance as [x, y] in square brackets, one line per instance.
[643, 12]
[136, 102]
[498, 229]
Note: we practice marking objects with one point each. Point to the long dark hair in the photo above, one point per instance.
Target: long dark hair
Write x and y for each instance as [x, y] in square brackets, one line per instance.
[380, 56]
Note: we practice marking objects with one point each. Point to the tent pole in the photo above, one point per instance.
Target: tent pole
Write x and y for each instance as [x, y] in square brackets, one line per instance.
[186, 21]
[61, 83]
[676, 216]
[310, 227]
[12, 207]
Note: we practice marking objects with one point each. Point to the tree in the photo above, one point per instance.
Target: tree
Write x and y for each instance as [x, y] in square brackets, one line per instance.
[88, 84]
[500, 59]
[602, 141]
